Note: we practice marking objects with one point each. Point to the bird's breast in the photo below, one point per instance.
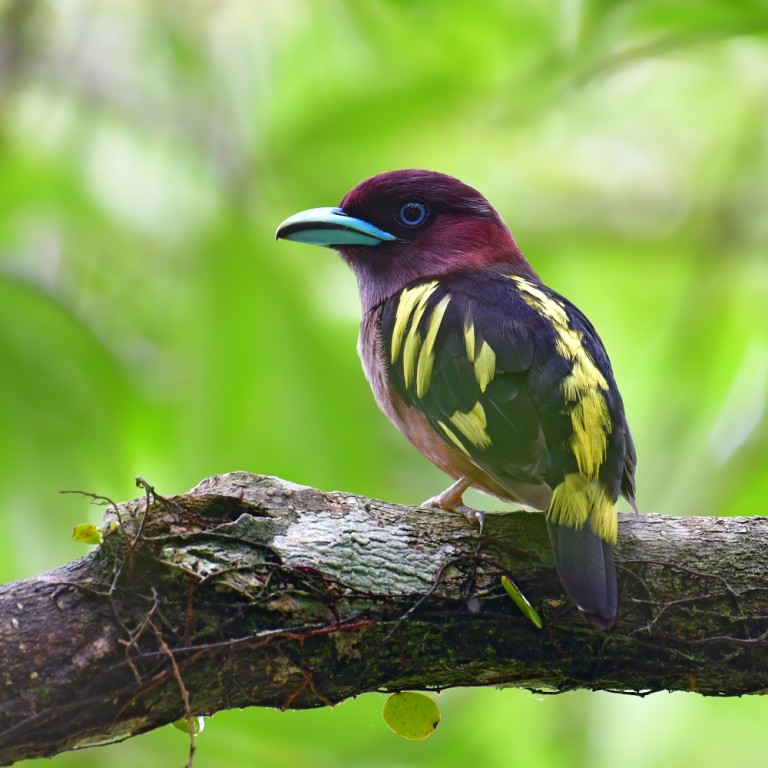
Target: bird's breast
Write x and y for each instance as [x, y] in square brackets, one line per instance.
[408, 420]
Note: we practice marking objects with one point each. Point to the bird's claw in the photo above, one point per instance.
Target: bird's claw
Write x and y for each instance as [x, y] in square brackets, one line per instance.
[473, 516]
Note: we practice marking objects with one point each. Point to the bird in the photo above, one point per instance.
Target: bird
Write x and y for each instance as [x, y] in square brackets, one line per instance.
[494, 377]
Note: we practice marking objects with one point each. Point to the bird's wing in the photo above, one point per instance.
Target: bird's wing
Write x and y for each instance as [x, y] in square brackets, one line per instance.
[515, 377]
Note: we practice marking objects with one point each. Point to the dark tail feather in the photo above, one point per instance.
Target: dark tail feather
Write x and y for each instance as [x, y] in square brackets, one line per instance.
[585, 566]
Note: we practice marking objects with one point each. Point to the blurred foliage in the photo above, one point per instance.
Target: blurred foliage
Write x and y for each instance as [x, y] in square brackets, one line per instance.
[150, 325]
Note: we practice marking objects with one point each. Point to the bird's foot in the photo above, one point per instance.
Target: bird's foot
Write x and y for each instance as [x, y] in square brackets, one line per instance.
[451, 499]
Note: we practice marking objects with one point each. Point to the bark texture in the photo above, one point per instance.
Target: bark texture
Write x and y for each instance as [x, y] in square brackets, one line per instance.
[250, 590]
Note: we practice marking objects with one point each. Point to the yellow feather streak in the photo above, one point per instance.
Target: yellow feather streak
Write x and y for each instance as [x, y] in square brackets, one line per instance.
[485, 366]
[452, 437]
[483, 360]
[581, 495]
[589, 444]
[427, 354]
[583, 386]
[413, 338]
[469, 338]
[473, 426]
[410, 354]
[409, 298]
[577, 499]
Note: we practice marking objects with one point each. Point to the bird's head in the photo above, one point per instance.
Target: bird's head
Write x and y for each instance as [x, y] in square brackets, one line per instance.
[404, 225]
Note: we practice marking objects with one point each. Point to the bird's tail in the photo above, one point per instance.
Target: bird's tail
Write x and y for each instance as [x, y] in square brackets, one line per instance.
[586, 569]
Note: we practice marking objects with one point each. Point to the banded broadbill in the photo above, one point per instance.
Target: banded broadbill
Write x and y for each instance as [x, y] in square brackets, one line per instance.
[494, 377]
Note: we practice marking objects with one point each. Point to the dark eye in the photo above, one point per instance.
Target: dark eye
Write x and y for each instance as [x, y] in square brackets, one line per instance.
[413, 213]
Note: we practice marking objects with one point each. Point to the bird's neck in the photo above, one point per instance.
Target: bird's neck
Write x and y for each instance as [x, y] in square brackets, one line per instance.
[377, 285]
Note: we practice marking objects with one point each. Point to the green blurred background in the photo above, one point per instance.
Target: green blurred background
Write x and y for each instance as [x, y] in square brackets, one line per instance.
[149, 324]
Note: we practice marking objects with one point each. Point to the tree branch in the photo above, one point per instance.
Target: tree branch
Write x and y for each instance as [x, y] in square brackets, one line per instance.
[253, 591]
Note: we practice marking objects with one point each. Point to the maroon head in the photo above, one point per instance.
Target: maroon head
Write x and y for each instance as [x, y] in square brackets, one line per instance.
[404, 225]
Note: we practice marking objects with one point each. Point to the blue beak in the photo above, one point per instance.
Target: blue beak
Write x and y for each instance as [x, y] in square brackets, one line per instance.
[331, 226]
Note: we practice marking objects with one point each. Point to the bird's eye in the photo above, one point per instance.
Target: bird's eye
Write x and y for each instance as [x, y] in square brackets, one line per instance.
[413, 213]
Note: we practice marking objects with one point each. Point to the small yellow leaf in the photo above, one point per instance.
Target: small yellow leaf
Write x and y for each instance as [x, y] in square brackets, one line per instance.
[521, 601]
[411, 715]
[86, 533]
[193, 726]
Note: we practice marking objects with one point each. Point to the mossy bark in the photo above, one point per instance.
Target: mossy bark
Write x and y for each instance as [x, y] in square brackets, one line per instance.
[253, 591]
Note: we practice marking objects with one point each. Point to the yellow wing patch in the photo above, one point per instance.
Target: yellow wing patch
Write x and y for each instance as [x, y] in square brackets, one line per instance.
[469, 338]
[483, 359]
[427, 354]
[583, 386]
[410, 299]
[582, 495]
[485, 366]
[578, 499]
[453, 438]
[412, 344]
[418, 353]
[472, 425]
[591, 422]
